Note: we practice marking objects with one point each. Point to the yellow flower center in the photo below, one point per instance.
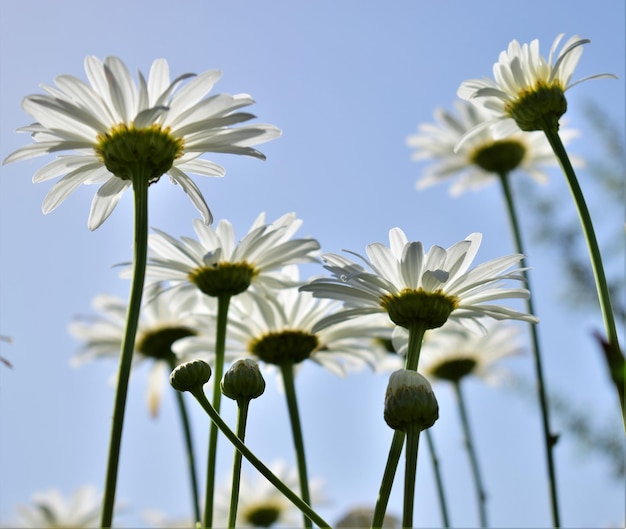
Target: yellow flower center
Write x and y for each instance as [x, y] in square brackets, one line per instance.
[499, 157]
[130, 152]
[262, 515]
[418, 307]
[538, 107]
[157, 343]
[223, 278]
[454, 370]
[285, 346]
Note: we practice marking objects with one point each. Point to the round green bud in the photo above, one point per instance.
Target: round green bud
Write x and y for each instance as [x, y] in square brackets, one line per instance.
[243, 380]
[190, 375]
[410, 401]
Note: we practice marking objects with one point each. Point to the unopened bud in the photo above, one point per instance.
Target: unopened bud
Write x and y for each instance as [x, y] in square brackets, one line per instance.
[410, 401]
[190, 375]
[243, 380]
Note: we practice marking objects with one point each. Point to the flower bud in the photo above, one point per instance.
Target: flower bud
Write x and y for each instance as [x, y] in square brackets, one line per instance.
[243, 380]
[190, 375]
[410, 401]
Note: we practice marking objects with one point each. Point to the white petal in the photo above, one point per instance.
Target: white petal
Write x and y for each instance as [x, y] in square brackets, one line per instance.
[105, 200]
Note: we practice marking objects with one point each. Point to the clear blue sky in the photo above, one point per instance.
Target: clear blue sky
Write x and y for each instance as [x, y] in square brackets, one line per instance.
[346, 82]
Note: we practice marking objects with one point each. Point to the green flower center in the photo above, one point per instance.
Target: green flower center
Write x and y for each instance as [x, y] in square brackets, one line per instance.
[223, 278]
[284, 346]
[454, 370]
[264, 515]
[413, 307]
[538, 107]
[157, 343]
[499, 157]
[130, 152]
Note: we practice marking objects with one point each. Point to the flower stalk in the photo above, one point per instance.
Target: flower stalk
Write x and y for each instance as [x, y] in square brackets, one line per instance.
[443, 504]
[592, 244]
[548, 437]
[286, 369]
[242, 417]
[223, 302]
[140, 250]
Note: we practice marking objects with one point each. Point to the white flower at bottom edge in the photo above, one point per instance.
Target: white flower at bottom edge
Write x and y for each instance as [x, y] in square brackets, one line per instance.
[111, 124]
[166, 316]
[52, 510]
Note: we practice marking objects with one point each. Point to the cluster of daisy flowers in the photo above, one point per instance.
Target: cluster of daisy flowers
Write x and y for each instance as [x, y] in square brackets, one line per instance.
[426, 315]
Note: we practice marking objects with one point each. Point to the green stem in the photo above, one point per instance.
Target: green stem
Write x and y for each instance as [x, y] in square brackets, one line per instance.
[223, 302]
[412, 442]
[140, 250]
[286, 370]
[242, 417]
[592, 244]
[395, 451]
[191, 461]
[438, 479]
[549, 438]
[469, 444]
[416, 337]
[256, 462]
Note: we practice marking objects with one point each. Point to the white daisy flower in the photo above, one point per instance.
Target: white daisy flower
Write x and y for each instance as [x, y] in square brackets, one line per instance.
[417, 288]
[263, 505]
[51, 509]
[528, 90]
[481, 159]
[120, 130]
[278, 327]
[453, 352]
[166, 317]
[217, 265]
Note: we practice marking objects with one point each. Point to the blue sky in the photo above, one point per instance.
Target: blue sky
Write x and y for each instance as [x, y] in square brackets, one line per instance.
[346, 82]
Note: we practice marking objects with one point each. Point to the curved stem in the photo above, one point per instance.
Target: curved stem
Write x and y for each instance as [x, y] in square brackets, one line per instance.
[191, 460]
[242, 417]
[286, 370]
[416, 337]
[140, 251]
[223, 302]
[469, 444]
[412, 442]
[549, 438]
[256, 462]
[592, 244]
[440, 491]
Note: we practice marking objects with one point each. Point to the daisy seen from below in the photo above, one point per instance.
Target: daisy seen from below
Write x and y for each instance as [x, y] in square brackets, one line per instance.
[217, 265]
[263, 505]
[528, 91]
[51, 509]
[165, 318]
[482, 158]
[122, 132]
[454, 352]
[413, 286]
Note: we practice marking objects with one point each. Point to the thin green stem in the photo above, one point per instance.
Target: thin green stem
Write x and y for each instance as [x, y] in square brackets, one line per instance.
[191, 460]
[471, 451]
[592, 244]
[412, 442]
[223, 302]
[140, 251]
[286, 370]
[438, 479]
[416, 337]
[395, 451]
[548, 437]
[256, 462]
[242, 417]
